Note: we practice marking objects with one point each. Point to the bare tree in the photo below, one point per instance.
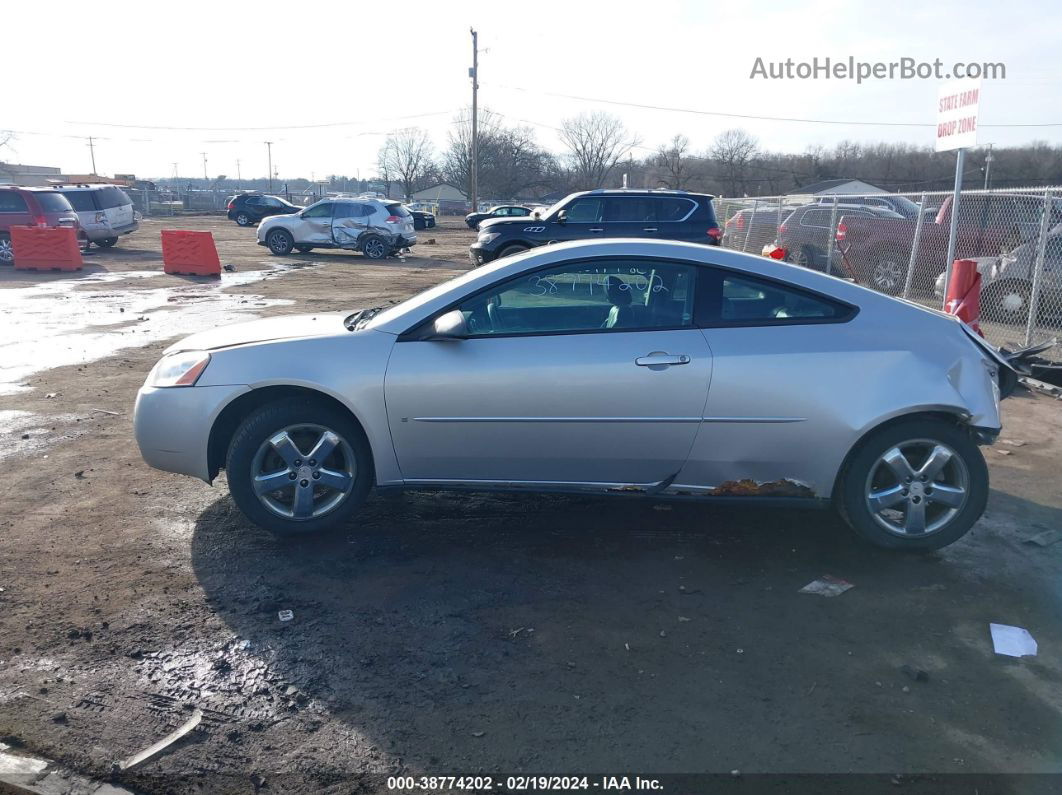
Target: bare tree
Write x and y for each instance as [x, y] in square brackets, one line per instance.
[675, 169]
[733, 152]
[596, 143]
[510, 159]
[457, 159]
[406, 157]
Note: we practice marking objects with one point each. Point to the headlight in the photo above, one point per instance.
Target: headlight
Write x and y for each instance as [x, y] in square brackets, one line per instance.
[487, 237]
[179, 369]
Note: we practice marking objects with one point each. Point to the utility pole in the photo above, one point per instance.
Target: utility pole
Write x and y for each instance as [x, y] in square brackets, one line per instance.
[474, 74]
[92, 153]
[205, 177]
[239, 180]
[269, 149]
[988, 166]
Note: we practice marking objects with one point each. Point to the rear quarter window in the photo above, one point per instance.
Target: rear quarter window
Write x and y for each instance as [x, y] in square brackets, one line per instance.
[80, 200]
[668, 209]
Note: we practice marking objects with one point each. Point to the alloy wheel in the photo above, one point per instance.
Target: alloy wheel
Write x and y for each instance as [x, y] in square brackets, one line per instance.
[303, 471]
[375, 249]
[7, 253]
[917, 487]
[887, 275]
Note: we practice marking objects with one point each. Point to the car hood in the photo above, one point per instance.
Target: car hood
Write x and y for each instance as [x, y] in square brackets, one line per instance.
[267, 330]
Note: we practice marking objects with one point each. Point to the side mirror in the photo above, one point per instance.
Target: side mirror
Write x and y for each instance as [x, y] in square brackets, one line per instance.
[562, 217]
[450, 326]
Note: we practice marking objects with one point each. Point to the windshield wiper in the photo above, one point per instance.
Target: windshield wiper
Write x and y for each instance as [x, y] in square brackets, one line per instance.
[361, 317]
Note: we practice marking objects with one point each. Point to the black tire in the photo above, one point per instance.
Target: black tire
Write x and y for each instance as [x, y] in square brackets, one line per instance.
[374, 247]
[803, 256]
[254, 432]
[243, 219]
[107, 243]
[852, 503]
[7, 253]
[304, 249]
[280, 242]
[1006, 301]
[515, 248]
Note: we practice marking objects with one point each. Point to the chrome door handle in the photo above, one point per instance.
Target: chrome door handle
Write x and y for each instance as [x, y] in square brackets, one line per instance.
[658, 359]
[650, 229]
[596, 229]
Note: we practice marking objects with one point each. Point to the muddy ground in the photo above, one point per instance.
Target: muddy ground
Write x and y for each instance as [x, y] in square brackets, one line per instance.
[467, 633]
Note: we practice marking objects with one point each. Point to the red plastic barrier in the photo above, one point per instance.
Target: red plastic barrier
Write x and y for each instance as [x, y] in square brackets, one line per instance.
[192, 253]
[38, 248]
[964, 293]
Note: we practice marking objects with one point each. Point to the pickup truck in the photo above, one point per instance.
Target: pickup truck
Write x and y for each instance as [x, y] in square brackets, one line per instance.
[878, 249]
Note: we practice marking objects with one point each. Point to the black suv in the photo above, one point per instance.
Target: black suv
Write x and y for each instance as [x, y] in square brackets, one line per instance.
[250, 208]
[652, 214]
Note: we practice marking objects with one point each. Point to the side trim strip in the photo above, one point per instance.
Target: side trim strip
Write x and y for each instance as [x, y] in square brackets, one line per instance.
[613, 419]
[557, 419]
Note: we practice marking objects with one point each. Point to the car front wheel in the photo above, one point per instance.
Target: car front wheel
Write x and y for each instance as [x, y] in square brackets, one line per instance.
[915, 485]
[7, 252]
[296, 467]
[280, 241]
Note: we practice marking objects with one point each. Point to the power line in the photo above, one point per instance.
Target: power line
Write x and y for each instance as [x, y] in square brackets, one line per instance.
[258, 129]
[751, 116]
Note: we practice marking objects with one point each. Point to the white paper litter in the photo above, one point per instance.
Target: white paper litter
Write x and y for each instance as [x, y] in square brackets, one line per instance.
[827, 586]
[1012, 641]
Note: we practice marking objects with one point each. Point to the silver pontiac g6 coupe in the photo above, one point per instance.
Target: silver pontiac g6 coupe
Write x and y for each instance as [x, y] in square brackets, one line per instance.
[616, 367]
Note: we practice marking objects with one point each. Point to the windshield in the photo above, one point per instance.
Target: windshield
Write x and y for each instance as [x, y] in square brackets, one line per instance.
[905, 205]
[430, 294]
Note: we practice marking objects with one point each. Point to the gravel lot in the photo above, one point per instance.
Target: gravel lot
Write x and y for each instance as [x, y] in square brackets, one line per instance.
[469, 633]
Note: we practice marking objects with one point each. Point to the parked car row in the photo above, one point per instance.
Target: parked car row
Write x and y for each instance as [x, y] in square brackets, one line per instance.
[100, 214]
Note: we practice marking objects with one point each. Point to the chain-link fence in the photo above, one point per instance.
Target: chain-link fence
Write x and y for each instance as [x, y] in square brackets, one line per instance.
[177, 201]
[898, 244]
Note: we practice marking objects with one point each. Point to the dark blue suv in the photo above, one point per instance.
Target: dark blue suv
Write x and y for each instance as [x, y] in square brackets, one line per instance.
[652, 214]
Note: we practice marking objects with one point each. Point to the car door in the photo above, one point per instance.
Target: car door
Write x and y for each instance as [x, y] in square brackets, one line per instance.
[631, 216]
[349, 222]
[583, 218]
[781, 359]
[586, 373]
[315, 225]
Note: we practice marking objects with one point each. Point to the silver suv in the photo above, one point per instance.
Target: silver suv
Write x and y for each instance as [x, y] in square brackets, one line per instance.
[105, 211]
[375, 227]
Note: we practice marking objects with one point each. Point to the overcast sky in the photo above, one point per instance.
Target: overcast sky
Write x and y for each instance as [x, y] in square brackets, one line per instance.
[74, 68]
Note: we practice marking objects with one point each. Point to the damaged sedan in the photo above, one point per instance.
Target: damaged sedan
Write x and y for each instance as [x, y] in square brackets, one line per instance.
[653, 369]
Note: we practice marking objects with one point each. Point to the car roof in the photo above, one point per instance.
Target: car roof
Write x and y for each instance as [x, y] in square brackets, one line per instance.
[85, 186]
[399, 318]
[643, 192]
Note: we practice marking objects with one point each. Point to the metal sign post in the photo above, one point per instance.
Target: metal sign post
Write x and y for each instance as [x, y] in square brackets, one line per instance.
[957, 108]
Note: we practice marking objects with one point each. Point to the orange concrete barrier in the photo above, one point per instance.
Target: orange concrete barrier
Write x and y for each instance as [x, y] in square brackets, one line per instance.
[964, 293]
[192, 253]
[38, 248]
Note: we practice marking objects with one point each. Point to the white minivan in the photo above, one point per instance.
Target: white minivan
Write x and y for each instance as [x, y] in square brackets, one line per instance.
[105, 211]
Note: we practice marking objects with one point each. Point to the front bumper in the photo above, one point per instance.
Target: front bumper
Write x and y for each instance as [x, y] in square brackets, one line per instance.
[172, 425]
[480, 255]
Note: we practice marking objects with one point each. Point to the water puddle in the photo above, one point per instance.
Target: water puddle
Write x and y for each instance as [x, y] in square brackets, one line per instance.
[64, 322]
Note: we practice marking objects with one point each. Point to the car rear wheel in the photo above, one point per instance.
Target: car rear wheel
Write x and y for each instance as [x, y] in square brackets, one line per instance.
[7, 253]
[243, 219]
[107, 243]
[888, 272]
[915, 485]
[280, 241]
[296, 467]
[1006, 302]
[508, 251]
[304, 249]
[375, 247]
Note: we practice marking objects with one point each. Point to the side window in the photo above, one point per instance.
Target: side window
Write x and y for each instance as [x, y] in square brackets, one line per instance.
[519, 211]
[607, 295]
[739, 300]
[671, 210]
[253, 201]
[269, 201]
[501, 211]
[81, 200]
[586, 211]
[816, 218]
[323, 210]
[12, 202]
[629, 209]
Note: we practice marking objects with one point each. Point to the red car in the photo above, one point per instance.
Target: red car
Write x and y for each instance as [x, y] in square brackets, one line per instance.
[33, 207]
